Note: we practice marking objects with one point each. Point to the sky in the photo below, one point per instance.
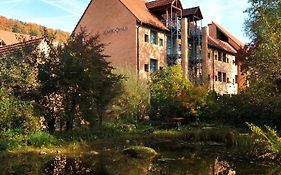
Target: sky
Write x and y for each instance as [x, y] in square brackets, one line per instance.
[64, 14]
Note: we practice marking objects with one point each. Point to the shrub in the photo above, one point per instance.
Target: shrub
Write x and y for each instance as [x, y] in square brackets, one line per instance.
[133, 103]
[173, 95]
[16, 114]
[10, 139]
[41, 138]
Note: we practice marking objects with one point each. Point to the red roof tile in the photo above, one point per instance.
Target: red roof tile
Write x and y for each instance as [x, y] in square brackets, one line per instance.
[233, 38]
[158, 3]
[221, 45]
[16, 47]
[140, 11]
[194, 11]
[11, 38]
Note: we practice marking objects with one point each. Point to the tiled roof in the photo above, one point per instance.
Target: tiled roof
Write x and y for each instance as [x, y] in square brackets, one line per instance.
[221, 45]
[16, 47]
[192, 11]
[158, 3]
[140, 11]
[11, 38]
[233, 38]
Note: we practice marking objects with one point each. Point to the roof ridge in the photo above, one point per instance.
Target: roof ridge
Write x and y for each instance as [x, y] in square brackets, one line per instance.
[222, 29]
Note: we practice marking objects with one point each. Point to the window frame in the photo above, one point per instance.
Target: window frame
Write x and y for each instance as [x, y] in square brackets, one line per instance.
[153, 37]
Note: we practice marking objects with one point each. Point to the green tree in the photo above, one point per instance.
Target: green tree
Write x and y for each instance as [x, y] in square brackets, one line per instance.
[263, 61]
[264, 28]
[133, 103]
[172, 95]
[78, 73]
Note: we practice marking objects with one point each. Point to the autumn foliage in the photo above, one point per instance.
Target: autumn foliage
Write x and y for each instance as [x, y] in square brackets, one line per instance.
[32, 29]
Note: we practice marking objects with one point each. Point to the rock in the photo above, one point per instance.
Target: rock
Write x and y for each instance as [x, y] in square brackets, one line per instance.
[92, 153]
[128, 141]
[141, 152]
[42, 153]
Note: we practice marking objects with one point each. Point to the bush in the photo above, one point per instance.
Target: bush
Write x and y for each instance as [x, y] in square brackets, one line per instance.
[173, 95]
[245, 107]
[41, 138]
[16, 114]
[10, 139]
[133, 103]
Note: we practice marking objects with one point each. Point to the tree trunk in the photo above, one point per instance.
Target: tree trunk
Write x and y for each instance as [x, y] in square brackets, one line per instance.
[100, 119]
[70, 115]
[51, 124]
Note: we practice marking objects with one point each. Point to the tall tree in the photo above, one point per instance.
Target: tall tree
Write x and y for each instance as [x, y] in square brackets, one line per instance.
[264, 28]
[79, 75]
[263, 61]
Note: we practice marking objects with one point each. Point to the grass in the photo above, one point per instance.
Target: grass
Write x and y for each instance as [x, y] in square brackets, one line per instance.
[117, 134]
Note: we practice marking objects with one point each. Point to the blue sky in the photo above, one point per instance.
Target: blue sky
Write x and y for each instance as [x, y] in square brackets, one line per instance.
[64, 14]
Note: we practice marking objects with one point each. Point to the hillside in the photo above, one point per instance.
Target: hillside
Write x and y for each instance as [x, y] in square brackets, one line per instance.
[13, 25]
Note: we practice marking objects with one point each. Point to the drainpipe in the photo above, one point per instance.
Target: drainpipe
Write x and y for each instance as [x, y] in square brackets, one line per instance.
[213, 70]
[138, 51]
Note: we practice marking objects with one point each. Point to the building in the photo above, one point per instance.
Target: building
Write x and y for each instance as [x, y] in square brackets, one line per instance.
[221, 66]
[9, 38]
[148, 35]
[28, 46]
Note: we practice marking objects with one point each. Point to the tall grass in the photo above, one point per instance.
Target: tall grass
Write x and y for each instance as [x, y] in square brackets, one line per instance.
[268, 140]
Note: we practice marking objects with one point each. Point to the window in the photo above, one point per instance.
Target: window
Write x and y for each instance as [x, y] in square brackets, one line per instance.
[236, 79]
[216, 57]
[209, 55]
[209, 77]
[216, 78]
[145, 38]
[153, 37]
[146, 68]
[227, 60]
[153, 65]
[219, 76]
[161, 42]
[224, 77]
[220, 56]
[224, 57]
[227, 80]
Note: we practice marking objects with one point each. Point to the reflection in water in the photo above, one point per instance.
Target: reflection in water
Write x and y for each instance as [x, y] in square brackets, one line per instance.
[185, 161]
[67, 166]
[221, 167]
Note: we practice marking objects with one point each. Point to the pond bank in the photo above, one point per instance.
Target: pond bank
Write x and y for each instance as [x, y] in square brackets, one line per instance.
[202, 149]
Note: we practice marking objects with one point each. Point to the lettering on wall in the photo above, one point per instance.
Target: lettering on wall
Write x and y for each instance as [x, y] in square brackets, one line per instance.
[115, 30]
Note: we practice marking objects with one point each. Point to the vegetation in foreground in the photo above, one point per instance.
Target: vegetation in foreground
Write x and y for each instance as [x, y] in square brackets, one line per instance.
[60, 100]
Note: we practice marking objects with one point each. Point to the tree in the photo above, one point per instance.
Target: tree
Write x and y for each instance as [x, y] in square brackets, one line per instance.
[263, 60]
[78, 73]
[264, 28]
[173, 95]
[134, 102]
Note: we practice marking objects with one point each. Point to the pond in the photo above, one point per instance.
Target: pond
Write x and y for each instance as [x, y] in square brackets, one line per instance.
[174, 159]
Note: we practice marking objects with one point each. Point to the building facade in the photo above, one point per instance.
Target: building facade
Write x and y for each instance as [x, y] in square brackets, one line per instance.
[149, 35]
